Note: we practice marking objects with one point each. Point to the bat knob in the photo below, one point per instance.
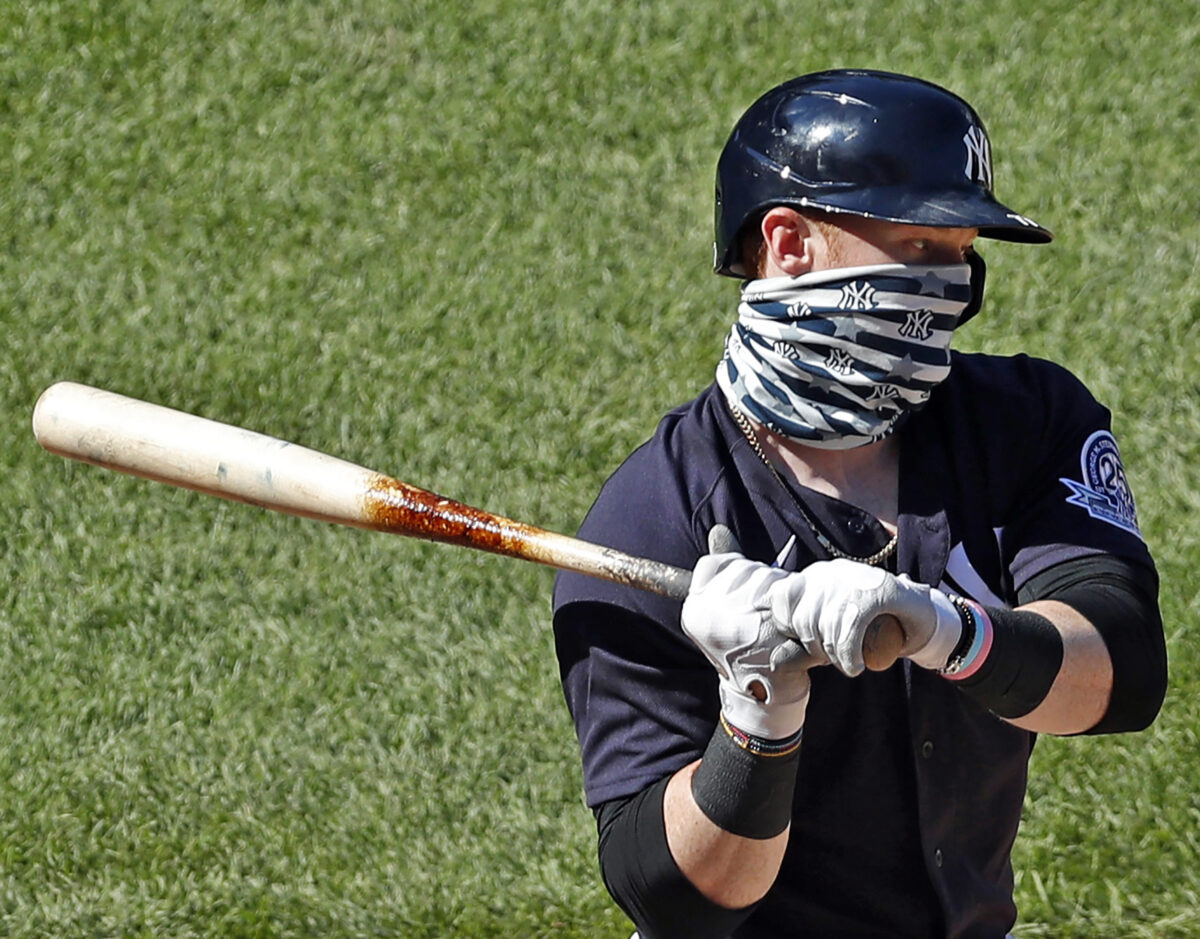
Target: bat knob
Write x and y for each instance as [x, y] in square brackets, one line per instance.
[883, 643]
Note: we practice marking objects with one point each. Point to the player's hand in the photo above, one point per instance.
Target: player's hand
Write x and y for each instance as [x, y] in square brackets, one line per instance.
[727, 613]
[829, 606]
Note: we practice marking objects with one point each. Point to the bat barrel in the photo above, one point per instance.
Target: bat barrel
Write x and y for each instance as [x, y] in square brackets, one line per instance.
[181, 449]
[169, 446]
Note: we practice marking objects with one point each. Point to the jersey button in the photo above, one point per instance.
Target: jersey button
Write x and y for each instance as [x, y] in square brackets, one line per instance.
[927, 749]
[937, 857]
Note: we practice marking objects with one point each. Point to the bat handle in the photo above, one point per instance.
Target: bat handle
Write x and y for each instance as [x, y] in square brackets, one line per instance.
[883, 642]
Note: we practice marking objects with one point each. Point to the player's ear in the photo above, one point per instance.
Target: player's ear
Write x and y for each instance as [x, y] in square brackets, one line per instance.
[790, 242]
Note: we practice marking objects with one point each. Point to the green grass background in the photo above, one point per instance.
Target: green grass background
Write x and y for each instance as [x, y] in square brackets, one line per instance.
[468, 244]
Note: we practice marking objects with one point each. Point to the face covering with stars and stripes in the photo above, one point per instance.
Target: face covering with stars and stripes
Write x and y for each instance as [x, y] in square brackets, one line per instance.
[835, 359]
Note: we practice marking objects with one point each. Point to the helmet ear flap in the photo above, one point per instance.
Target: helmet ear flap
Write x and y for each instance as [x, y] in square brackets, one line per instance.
[978, 276]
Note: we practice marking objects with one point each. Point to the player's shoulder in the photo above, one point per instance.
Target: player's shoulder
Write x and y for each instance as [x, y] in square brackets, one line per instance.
[1001, 406]
[1018, 384]
[653, 499]
[1013, 374]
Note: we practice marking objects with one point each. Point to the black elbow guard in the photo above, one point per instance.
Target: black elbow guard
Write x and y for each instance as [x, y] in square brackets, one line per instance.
[643, 878]
[1120, 599]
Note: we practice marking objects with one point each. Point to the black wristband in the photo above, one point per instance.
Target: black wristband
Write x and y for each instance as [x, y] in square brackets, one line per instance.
[1017, 672]
[744, 785]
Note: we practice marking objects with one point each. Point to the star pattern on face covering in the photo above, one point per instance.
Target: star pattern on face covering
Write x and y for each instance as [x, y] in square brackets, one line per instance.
[905, 368]
[868, 349]
[828, 386]
[844, 327]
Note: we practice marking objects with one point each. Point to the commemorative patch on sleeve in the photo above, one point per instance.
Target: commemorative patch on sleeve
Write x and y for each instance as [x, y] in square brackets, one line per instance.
[1104, 492]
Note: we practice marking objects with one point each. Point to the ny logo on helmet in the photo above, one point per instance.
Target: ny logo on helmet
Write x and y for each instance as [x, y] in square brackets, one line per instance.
[979, 156]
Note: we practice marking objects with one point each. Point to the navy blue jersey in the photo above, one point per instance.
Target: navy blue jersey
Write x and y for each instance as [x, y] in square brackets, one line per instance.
[909, 794]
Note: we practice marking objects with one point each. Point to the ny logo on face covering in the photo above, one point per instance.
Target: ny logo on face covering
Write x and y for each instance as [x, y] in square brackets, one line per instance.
[839, 361]
[979, 156]
[918, 325]
[857, 296]
[786, 349]
[883, 399]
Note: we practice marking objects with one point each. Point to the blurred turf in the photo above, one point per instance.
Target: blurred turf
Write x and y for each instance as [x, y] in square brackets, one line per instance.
[468, 244]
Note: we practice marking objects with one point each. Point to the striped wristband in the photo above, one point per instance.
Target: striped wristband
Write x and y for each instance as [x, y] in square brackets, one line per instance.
[976, 642]
[760, 747]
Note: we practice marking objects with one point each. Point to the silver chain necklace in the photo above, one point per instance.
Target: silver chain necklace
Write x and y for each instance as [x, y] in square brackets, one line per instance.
[748, 432]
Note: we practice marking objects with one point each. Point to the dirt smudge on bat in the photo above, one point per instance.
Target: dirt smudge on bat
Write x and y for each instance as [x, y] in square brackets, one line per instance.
[397, 507]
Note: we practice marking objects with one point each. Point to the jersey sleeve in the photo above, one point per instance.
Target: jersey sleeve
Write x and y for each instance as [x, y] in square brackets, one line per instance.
[1068, 495]
[642, 696]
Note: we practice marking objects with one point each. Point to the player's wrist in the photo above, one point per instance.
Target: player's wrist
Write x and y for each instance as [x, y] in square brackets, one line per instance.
[762, 720]
[759, 745]
[974, 644]
[946, 631]
[1012, 662]
[744, 784]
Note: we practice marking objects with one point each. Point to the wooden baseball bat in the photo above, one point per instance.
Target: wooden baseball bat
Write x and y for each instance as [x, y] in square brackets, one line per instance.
[181, 449]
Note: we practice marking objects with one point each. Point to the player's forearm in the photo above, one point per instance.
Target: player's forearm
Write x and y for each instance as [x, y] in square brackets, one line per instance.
[727, 815]
[730, 870]
[1079, 696]
[1084, 653]
[1107, 612]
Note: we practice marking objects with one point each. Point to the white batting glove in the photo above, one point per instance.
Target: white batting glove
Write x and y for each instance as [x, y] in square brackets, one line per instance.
[929, 643]
[727, 614]
[829, 605]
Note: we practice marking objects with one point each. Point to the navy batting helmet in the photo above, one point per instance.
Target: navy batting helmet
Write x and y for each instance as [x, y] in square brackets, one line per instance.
[868, 143]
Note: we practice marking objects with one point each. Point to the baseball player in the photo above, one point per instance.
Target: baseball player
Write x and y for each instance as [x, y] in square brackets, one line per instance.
[749, 777]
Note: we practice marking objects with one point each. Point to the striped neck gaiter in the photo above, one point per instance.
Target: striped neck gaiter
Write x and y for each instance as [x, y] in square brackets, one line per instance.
[834, 359]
